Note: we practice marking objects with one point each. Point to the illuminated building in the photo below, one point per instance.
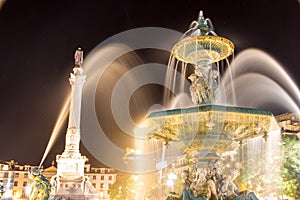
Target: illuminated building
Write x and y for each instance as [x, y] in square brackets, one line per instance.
[16, 183]
[15, 179]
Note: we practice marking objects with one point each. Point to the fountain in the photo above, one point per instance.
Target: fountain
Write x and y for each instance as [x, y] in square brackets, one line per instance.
[209, 130]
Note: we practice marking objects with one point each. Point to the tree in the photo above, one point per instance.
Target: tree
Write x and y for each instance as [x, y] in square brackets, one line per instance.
[130, 186]
[291, 166]
[122, 188]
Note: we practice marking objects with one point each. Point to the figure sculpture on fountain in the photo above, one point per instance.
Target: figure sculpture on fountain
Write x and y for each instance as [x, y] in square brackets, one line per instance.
[204, 89]
[210, 184]
[230, 191]
[185, 192]
[40, 187]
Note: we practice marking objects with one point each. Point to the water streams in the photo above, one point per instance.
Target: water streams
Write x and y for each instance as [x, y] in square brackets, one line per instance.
[254, 72]
[57, 128]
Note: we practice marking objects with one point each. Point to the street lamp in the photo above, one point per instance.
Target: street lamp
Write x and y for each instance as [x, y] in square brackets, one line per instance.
[171, 179]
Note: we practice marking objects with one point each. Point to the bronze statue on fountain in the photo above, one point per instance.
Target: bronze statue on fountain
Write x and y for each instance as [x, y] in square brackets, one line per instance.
[210, 184]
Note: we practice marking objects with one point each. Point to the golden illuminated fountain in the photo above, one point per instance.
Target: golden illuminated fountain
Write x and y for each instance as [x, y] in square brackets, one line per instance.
[210, 129]
[208, 126]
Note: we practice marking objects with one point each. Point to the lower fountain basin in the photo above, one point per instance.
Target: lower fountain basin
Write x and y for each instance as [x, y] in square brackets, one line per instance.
[209, 127]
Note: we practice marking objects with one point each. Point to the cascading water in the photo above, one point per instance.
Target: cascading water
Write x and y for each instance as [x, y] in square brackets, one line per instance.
[261, 161]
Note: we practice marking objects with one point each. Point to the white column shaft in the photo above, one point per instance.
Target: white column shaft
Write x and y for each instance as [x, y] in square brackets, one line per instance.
[75, 105]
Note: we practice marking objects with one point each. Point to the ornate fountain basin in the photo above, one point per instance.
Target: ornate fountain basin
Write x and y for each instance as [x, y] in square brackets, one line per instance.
[195, 49]
[209, 127]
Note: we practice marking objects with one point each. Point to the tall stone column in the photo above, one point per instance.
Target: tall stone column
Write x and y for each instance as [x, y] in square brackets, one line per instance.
[77, 80]
[70, 181]
[71, 163]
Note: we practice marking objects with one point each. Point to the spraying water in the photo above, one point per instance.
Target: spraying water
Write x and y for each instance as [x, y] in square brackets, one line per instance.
[57, 128]
[254, 72]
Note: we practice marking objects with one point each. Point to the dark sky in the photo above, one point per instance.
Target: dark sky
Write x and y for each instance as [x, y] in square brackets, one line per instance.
[38, 39]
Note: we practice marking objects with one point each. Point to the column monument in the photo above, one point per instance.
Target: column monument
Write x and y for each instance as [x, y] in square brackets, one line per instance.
[70, 181]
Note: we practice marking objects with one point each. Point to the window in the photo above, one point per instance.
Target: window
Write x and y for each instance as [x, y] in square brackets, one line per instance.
[102, 177]
[5, 175]
[16, 183]
[24, 183]
[94, 185]
[94, 177]
[102, 185]
[26, 175]
[16, 175]
[110, 178]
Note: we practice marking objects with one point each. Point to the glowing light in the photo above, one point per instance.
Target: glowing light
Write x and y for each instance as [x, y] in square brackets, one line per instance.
[172, 176]
[170, 183]
[137, 151]
[101, 195]
[8, 193]
[194, 49]
[135, 178]
[28, 190]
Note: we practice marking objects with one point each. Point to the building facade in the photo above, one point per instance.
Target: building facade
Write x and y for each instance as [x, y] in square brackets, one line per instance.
[14, 179]
[102, 178]
[289, 123]
[15, 183]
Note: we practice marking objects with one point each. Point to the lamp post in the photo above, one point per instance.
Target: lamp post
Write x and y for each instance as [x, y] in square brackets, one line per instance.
[171, 179]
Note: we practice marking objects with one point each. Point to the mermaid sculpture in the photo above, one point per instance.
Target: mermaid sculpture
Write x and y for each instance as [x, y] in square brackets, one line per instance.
[185, 193]
[209, 184]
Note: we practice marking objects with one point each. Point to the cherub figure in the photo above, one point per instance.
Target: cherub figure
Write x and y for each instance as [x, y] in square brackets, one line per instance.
[199, 88]
[195, 93]
[229, 190]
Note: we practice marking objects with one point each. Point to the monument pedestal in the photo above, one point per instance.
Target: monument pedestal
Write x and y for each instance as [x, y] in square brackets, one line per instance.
[70, 182]
[72, 188]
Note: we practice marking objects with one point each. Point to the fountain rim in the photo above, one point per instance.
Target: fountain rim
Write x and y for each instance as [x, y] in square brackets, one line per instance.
[208, 107]
[226, 47]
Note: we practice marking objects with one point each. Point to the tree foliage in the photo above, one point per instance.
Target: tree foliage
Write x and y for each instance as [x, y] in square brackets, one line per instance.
[122, 188]
[130, 186]
[291, 166]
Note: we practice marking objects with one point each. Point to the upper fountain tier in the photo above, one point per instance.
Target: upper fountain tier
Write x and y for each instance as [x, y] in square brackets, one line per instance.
[201, 45]
[207, 126]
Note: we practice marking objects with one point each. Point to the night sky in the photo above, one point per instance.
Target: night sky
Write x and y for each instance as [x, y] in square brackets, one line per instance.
[38, 40]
